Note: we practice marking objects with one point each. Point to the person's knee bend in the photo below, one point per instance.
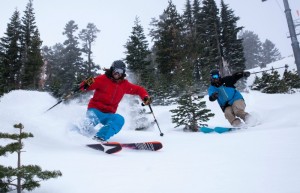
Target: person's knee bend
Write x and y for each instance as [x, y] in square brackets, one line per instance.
[118, 122]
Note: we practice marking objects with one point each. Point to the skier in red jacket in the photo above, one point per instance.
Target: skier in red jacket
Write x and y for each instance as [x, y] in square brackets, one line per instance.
[109, 91]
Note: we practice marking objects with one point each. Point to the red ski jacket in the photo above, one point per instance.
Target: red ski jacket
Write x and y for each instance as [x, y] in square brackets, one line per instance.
[108, 93]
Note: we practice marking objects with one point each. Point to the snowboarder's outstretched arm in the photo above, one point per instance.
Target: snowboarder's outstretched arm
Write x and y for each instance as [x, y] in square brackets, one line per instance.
[241, 74]
[231, 80]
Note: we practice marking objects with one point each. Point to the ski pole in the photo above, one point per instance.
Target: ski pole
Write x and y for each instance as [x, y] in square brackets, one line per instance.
[66, 97]
[285, 66]
[161, 134]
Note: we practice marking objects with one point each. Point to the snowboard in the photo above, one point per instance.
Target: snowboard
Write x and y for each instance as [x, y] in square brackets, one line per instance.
[114, 147]
[218, 129]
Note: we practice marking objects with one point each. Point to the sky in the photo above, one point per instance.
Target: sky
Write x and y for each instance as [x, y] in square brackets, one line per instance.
[260, 159]
[115, 20]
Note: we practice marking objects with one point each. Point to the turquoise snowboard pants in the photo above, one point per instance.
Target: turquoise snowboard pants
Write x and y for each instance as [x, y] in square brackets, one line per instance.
[112, 122]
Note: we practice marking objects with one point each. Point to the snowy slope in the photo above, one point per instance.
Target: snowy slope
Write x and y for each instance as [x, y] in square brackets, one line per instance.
[261, 159]
[278, 65]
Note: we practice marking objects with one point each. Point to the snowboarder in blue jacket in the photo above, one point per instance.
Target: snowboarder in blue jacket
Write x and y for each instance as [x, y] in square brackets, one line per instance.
[230, 100]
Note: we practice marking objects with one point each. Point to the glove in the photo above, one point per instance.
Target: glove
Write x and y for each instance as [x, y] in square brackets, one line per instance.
[246, 74]
[147, 100]
[214, 96]
[88, 82]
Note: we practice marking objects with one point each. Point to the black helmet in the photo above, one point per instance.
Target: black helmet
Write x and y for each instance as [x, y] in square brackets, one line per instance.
[118, 64]
[215, 73]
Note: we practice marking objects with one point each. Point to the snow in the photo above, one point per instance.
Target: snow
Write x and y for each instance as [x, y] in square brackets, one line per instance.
[260, 159]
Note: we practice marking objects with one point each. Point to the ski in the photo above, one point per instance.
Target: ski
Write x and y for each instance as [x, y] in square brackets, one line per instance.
[150, 146]
[114, 147]
[218, 129]
[107, 147]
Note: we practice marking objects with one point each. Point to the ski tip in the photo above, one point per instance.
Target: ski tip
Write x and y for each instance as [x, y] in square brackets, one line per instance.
[157, 145]
[154, 146]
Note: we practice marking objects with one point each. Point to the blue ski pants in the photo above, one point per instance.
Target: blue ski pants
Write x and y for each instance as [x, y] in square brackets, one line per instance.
[112, 122]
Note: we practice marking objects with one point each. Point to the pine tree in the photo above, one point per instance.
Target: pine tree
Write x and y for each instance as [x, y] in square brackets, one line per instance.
[200, 66]
[275, 84]
[252, 49]
[138, 55]
[292, 80]
[191, 112]
[190, 69]
[259, 83]
[10, 62]
[168, 54]
[2, 71]
[72, 52]
[211, 53]
[269, 53]
[88, 36]
[270, 83]
[54, 59]
[167, 51]
[31, 50]
[188, 24]
[71, 70]
[24, 177]
[188, 31]
[232, 47]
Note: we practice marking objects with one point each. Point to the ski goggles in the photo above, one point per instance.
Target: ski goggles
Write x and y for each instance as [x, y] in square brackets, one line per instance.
[118, 70]
[215, 76]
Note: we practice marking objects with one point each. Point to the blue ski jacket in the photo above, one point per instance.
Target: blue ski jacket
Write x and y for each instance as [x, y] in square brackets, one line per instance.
[226, 90]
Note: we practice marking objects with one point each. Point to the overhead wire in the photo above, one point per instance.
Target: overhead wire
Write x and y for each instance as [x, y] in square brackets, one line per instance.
[282, 10]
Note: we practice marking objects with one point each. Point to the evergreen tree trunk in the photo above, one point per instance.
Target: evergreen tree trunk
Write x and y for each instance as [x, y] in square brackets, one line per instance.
[19, 177]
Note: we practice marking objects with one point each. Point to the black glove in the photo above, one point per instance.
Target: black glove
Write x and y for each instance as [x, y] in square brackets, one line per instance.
[214, 96]
[147, 100]
[88, 82]
[246, 74]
